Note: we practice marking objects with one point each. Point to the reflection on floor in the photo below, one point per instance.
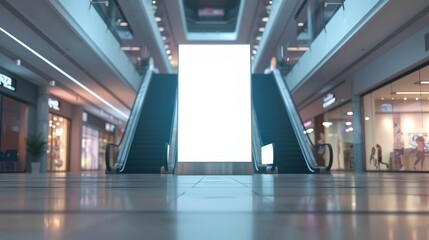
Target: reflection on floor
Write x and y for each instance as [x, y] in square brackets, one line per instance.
[96, 206]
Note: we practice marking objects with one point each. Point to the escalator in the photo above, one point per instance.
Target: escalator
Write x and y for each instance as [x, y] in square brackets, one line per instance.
[279, 123]
[143, 148]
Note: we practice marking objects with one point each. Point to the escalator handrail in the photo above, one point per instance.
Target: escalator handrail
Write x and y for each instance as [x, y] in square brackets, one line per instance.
[295, 121]
[130, 127]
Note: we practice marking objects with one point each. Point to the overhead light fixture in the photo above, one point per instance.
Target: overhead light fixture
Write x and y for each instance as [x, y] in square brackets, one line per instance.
[326, 4]
[166, 46]
[52, 83]
[161, 29]
[105, 2]
[366, 118]
[255, 46]
[327, 124]
[130, 48]
[261, 29]
[68, 76]
[258, 38]
[170, 57]
[423, 82]
[265, 19]
[168, 51]
[123, 24]
[18, 62]
[163, 38]
[254, 51]
[300, 24]
[158, 19]
[349, 113]
[411, 93]
[348, 123]
[297, 49]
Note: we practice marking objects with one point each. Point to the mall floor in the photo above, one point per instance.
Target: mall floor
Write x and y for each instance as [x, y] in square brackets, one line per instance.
[97, 206]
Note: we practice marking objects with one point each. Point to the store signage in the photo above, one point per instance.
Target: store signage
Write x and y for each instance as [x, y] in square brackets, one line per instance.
[109, 127]
[7, 82]
[54, 104]
[328, 100]
[308, 124]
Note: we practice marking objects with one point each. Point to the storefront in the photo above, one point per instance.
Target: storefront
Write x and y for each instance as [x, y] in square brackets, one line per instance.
[396, 124]
[96, 134]
[16, 95]
[59, 136]
[334, 127]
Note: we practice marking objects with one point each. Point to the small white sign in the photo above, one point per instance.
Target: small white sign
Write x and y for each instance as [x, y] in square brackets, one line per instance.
[54, 104]
[7, 82]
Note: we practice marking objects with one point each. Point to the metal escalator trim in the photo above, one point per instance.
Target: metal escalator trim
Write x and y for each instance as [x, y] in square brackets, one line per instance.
[256, 141]
[133, 122]
[172, 155]
[295, 121]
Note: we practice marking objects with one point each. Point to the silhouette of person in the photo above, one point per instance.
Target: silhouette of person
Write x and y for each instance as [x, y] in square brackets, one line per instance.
[420, 151]
[380, 156]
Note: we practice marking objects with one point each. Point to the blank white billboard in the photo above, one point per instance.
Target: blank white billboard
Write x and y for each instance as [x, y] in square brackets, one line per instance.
[214, 103]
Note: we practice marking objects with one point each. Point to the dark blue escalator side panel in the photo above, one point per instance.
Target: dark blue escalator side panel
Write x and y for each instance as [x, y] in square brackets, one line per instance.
[147, 152]
[275, 125]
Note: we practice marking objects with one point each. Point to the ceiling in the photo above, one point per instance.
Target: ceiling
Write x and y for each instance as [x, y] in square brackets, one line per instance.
[158, 27]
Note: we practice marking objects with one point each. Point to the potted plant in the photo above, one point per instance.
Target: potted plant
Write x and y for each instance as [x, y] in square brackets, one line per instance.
[36, 147]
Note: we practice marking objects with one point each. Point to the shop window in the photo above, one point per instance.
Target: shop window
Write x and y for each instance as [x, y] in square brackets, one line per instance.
[58, 143]
[90, 148]
[396, 120]
[337, 130]
[14, 115]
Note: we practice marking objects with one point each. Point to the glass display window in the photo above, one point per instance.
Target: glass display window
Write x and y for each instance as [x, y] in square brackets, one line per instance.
[58, 143]
[397, 124]
[90, 148]
[13, 120]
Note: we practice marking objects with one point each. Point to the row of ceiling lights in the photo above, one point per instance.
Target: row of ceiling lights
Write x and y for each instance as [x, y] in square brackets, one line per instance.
[261, 29]
[162, 30]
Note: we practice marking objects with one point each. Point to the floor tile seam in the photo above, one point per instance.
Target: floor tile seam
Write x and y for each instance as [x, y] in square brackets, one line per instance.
[257, 212]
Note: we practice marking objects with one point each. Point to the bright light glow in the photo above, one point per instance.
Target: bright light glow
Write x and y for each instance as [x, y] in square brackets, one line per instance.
[300, 24]
[349, 113]
[168, 51]
[158, 19]
[130, 49]
[267, 154]
[424, 82]
[411, 93]
[265, 19]
[258, 38]
[64, 73]
[310, 130]
[161, 29]
[348, 123]
[261, 29]
[366, 118]
[297, 49]
[123, 24]
[327, 124]
[214, 103]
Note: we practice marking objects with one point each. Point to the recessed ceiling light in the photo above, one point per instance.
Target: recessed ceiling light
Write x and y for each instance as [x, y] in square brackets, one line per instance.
[258, 38]
[349, 113]
[123, 24]
[158, 19]
[163, 38]
[297, 49]
[255, 46]
[168, 51]
[300, 24]
[161, 29]
[261, 29]
[265, 19]
[366, 118]
[254, 51]
[170, 57]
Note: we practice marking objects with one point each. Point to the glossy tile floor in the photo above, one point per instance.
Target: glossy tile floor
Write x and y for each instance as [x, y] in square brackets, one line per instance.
[98, 206]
